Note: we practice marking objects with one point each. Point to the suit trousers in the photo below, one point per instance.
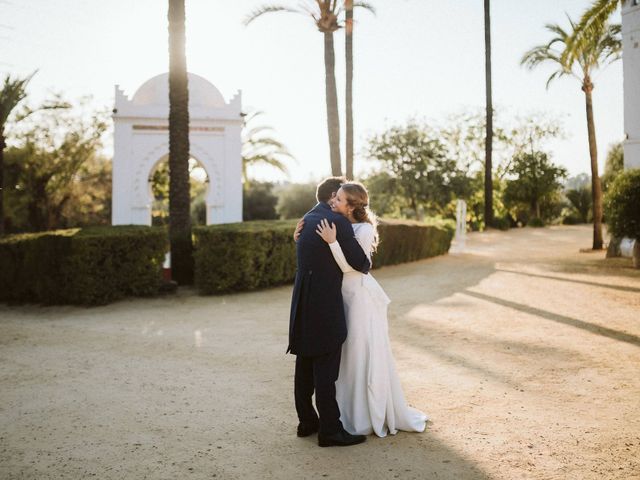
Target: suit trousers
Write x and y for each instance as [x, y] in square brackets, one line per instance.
[320, 374]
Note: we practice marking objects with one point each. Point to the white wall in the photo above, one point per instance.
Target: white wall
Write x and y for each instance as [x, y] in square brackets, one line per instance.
[631, 69]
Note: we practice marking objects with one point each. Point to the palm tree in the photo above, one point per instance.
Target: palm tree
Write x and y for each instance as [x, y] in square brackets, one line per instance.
[12, 93]
[602, 48]
[325, 15]
[488, 163]
[348, 9]
[258, 147]
[348, 50]
[179, 199]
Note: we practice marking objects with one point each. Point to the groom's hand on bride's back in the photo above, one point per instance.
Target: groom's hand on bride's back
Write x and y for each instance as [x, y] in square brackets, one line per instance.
[296, 234]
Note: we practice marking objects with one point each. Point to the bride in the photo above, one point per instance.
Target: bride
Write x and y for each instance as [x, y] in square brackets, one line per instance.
[368, 389]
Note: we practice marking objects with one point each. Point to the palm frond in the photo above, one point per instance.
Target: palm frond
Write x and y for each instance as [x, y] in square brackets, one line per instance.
[592, 24]
[366, 6]
[263, 10]
[12, 93]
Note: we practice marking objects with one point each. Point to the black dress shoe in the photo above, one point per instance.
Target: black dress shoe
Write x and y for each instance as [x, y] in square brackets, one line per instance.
[340, 439]
[306, 429]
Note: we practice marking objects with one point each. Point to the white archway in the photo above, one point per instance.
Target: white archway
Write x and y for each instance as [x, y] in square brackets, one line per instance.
[141, 139]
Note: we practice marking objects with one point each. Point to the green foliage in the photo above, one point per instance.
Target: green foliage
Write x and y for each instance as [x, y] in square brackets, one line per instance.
[581, 202]
[536, 222]
[260, 147]
[296, 199]
[534, 184]
[622, 205]
[259, 202]
[198, 185]
[422, 171]
[244, 256]
[92, 266]
[383, 200]
[614, 165]
[599, 48]
[251, 255]
[55, 174]
[408, 241]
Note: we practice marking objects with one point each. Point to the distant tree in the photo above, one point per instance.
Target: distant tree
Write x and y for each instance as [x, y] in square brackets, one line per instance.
[580, 199]
[296, 199]
[58, 177]
[425, 175]
[533, 178]
[259, 147]
[614, 165]
[382, 197]
[259, 202]
[159, 179]
[598, 48]
[12, 94]
[577, 182]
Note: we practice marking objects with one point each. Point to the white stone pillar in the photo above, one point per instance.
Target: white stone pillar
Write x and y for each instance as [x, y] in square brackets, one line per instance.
[631, 71]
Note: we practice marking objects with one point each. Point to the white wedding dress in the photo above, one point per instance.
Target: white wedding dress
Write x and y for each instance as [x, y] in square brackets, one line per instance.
[368, 389]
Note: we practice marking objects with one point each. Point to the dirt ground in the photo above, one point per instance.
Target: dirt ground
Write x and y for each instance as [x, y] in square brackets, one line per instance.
[524, 352]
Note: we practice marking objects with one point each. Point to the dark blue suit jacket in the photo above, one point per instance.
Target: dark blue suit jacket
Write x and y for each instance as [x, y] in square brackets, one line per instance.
[317, 323]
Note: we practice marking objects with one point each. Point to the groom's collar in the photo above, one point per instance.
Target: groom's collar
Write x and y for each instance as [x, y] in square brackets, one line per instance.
[324, 205]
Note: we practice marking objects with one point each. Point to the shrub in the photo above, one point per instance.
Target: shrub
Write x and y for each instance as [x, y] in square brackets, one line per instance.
[535, 222]
[259, 202]
[581, 201]
[571, 219]
[408, 241]
[502, 223]
[251, 255]
[622, 205]
[296, 199]
[92, 266]
[244, 256]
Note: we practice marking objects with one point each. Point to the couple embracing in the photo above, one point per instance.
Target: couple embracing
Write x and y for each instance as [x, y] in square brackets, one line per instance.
[338, 326]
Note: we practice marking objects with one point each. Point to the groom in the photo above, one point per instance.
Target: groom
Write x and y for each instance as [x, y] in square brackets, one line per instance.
[317, 325]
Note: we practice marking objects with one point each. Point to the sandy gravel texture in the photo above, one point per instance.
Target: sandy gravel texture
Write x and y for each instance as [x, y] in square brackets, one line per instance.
[524, 352]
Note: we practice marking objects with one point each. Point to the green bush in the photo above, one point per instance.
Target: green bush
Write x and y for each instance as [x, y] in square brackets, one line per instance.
[244, 256]
[571, 219]
[502, 223]
[622, 205]
[92, 266]
[258, 201]
[251, 255]
[535, 222]
[296, 199]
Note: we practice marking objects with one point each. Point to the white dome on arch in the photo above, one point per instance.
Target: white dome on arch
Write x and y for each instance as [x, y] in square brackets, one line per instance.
[155, 91]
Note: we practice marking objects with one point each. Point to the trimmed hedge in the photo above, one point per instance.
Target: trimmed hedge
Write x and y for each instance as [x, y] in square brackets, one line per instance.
[251, 255]
[407, 241]
[92, 266]
[244, 256]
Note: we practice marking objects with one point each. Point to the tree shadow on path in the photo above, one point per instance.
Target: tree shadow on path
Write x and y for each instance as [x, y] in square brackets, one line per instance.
[573, 322]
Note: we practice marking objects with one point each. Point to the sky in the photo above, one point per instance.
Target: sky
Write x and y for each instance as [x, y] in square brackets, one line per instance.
[413, 59]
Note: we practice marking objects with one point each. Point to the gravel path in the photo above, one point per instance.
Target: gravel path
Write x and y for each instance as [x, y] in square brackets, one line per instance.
[524, 352]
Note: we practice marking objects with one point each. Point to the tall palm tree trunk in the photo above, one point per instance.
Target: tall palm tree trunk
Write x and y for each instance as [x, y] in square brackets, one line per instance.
[179, 199]
[349, 87]
[2, 146]
[333, 118]
[488, 161]
[596, 188]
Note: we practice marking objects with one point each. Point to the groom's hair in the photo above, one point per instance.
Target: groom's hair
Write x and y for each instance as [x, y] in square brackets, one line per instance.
[328, 187]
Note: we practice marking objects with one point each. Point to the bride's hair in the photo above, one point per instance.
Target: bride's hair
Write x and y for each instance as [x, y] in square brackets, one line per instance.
[358, 199]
